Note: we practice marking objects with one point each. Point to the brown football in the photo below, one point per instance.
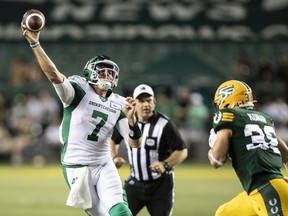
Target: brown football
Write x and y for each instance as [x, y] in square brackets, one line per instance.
[34, 20]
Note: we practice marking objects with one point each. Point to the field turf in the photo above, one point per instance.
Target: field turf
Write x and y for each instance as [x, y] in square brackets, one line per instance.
[42, 191]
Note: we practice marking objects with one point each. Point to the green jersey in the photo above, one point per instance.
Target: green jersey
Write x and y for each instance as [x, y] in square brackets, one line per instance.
[253, 146]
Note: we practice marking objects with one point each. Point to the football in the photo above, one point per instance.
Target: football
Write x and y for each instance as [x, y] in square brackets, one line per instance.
[34, 20]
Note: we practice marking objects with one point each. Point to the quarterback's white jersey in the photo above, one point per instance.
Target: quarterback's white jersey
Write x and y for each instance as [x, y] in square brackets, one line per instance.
[88, 123]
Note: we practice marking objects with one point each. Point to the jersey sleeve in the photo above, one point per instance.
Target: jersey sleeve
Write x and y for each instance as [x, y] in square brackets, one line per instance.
[223, 119]
[171, 140]
[119, 102]
[173, 137]
[65, 92]
[79, 85]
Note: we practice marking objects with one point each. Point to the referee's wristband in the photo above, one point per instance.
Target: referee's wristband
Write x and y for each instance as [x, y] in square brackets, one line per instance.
[166, 166]
[134, 131]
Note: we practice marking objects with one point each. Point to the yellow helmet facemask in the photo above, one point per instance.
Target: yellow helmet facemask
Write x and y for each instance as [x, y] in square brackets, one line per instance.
[234, 94]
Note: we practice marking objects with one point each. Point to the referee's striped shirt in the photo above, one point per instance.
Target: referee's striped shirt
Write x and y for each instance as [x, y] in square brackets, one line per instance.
[160, 138]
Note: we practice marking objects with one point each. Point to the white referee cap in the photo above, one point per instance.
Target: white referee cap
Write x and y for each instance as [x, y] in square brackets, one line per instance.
[141, 89]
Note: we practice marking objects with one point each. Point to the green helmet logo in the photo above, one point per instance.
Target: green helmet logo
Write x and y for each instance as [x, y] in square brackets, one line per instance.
[98, 64]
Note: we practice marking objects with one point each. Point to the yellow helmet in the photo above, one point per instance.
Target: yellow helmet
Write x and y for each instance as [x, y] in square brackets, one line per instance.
[234, 94]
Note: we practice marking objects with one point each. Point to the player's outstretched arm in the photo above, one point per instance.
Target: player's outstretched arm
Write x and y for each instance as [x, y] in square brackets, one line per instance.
[44, 61]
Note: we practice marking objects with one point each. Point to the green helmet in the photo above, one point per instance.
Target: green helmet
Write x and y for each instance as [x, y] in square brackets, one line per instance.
[97, 64]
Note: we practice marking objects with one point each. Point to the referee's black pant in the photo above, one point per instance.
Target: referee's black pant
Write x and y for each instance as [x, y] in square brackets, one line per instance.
[156, 195]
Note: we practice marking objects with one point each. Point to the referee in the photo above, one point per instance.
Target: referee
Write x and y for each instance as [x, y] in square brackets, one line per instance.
[151, 179]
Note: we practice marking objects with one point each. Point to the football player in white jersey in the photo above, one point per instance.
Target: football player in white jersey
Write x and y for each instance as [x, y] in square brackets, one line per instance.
[91, 112]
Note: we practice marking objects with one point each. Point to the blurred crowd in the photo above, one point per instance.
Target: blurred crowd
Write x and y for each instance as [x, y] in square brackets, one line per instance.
[30, 119]
[29, 127]
[269, 82]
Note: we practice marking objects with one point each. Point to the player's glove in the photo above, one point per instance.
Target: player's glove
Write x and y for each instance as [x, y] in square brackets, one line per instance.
[212, 138]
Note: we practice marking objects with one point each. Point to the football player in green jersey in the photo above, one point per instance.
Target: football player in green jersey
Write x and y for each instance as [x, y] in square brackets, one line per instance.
[248, 138]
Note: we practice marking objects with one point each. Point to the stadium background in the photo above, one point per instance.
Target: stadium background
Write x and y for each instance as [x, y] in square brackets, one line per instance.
[180, 48]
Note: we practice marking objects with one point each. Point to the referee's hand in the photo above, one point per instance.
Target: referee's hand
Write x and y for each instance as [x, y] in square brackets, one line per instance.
[158, 167]
[129, 110]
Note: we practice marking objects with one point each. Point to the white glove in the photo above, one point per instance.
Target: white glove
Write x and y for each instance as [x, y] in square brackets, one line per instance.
[212, 138]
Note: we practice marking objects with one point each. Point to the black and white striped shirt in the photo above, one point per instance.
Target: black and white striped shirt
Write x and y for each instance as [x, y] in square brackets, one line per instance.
[160, 138]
